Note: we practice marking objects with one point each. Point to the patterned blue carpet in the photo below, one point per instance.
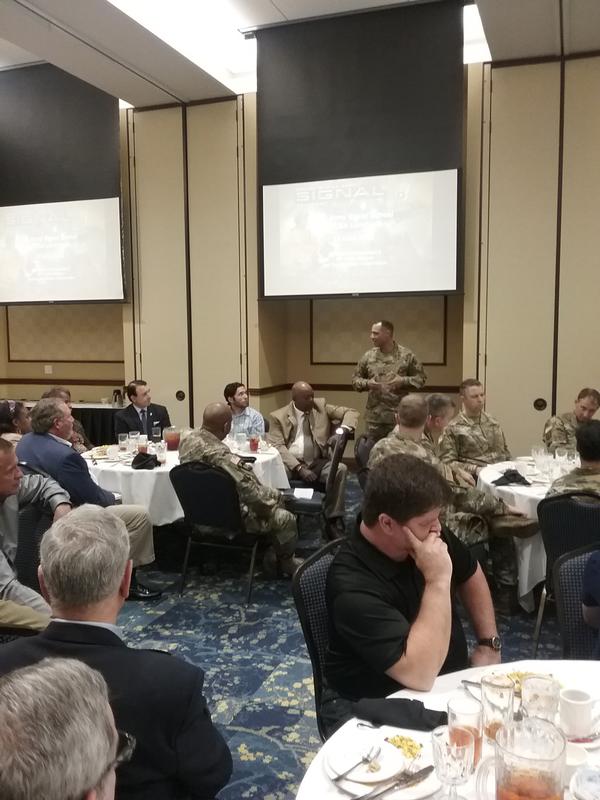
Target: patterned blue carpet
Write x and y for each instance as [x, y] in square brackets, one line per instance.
[258, 675]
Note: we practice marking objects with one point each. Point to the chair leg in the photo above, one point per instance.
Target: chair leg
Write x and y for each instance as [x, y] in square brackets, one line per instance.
[251, 573]
[184, 568]
[538, 622]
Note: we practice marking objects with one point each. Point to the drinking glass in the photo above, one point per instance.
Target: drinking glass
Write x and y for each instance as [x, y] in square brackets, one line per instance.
[172, 436]
[453, 762]
[561, 453]
[465, 713]
[161, 452]
[240, 442]
[540, 697]
[123, 446]
[497, 696]
[156, 433]
[133, 438]
[538, 453]
[142, 443]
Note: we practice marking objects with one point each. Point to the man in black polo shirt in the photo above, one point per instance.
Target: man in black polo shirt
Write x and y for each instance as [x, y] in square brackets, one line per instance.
[392, 618]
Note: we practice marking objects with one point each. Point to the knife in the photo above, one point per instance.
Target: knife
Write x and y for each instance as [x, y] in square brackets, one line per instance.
[408, 779]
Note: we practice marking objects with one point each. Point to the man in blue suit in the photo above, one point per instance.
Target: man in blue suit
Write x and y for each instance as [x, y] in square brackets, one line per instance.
[48, 448]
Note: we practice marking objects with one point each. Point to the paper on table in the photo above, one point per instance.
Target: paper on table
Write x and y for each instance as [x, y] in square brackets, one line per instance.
[304, 494]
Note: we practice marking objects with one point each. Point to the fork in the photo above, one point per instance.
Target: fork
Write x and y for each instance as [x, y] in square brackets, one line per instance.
[367, 758]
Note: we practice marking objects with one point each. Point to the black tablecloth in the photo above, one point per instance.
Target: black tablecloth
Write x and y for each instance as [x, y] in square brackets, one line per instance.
[98, 423]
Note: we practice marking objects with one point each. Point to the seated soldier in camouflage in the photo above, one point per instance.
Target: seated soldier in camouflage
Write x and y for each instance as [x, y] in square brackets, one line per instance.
[473, 438]
[559, 431]
[474, 516]
[262, 508]
[585, 478]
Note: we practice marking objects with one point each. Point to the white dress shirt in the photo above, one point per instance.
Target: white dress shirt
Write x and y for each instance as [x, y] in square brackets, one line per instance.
[296, 448]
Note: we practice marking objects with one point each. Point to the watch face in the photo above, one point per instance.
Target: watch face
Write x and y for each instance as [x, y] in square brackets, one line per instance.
[496, 643]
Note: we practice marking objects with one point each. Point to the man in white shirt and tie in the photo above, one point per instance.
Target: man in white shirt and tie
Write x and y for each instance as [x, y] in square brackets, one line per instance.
[301, 432]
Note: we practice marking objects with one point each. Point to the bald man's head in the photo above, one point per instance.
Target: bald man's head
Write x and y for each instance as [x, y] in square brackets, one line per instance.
[303, 396]
[412, 412]
[217, 419]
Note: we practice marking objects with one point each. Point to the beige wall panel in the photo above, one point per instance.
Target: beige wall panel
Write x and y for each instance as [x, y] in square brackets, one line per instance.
[339, 325]
[161, 255]
[214, 247]
[86, 332]
[522, 239]
[580, 234]
[471, 184]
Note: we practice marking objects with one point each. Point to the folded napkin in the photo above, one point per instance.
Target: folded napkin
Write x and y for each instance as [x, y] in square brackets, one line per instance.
[398, 712]
[511, 476]
[144, 461]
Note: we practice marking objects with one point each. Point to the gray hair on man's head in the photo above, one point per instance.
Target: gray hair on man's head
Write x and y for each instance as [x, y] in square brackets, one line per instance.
[57, 733]
[45, 412]
[83, 556]
[438, 404]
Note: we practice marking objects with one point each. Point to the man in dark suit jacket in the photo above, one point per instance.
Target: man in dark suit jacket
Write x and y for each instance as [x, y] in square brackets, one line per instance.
[48, 449]
[84, 574]
[142, 415]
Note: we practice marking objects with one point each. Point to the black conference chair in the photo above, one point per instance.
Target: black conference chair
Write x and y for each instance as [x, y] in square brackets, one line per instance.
[362, 450]
[315, 506]
[567, 522]
[211, 509]
[577, 638]
[34, 521]
[308, 589]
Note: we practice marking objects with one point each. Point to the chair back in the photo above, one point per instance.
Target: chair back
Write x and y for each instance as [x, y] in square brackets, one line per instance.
[578, 639]
[362, 450]
[208, 496]
[308, 589]
[336, 457]
[567, 522]
[34, 521]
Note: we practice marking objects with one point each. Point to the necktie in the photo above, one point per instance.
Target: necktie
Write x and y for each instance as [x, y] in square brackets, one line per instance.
[309, 453]
[143, 418]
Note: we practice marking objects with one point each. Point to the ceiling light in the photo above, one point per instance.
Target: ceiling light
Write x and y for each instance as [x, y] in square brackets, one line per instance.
[475, 46]
[205, 33]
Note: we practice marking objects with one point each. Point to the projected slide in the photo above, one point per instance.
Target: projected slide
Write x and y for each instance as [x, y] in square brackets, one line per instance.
[57, 252]
[389, 233]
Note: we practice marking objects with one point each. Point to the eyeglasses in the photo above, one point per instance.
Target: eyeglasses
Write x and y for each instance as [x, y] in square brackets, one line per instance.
[125, 749]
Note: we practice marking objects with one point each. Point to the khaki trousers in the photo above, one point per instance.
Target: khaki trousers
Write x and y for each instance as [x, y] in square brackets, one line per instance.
[334, 506]
[139, 528]
[22, 607]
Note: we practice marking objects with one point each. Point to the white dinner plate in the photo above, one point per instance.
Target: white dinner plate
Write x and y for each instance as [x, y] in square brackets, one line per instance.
[337, 751]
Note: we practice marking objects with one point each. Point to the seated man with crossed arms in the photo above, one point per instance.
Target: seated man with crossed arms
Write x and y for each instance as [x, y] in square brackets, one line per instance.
[559, 431]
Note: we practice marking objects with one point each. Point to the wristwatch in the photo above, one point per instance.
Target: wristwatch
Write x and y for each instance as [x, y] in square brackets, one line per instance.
[493, 642]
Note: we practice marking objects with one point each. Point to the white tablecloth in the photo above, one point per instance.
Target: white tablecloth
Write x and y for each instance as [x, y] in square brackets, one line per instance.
[578, 674]
[531, 556]
[153, 490]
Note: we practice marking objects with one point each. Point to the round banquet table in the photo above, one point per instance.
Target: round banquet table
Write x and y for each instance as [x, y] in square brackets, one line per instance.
[317, 784]
[531, 556]
[152, 489]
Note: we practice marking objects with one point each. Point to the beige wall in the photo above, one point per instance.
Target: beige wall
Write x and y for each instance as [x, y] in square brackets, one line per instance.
[521, 199]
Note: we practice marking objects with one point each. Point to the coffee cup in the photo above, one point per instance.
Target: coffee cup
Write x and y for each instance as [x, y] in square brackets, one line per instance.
[578, 717]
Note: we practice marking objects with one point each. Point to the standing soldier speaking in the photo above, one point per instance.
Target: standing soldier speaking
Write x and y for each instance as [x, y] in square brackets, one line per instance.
[387, 371]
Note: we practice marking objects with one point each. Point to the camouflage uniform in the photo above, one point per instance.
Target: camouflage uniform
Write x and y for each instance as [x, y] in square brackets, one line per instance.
[559, 431]
[382, 367]
[580, 479]
[261, 507]
[472, 443]
[473, 514]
